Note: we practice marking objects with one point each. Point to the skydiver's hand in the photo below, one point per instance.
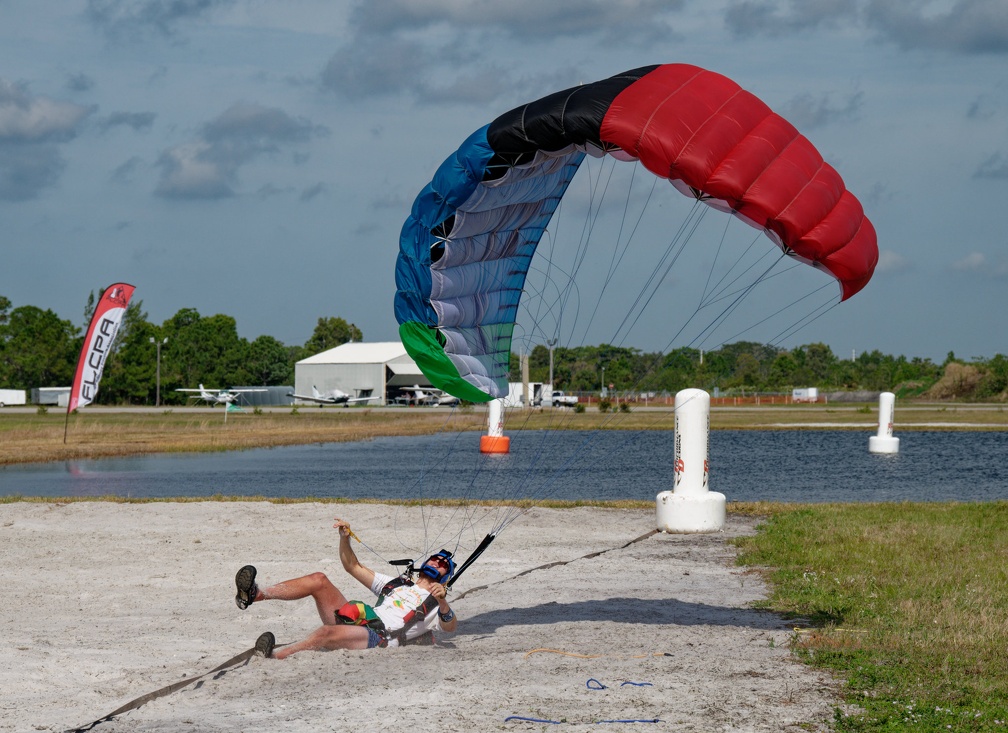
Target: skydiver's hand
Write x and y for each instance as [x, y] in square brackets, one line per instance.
[343, 527]
[439, 592]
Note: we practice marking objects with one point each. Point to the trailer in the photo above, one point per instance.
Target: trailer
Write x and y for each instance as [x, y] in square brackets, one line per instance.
[806, 394]
[12, 397]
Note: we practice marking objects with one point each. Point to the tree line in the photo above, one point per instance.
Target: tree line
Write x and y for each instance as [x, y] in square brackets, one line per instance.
[39, 349]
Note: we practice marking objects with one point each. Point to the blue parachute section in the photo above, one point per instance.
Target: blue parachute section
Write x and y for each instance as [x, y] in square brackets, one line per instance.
[464, 255]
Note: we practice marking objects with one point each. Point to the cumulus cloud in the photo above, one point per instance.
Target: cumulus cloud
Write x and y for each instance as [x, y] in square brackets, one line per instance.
[313, 191]
[807, 112]
[31, 131]
[973, 262]
[781, 17]
[135, 18]
[432, 50]
[892, 263]
[24, 118]
[137, 121]
[208, 167]
[996, 166]
[968, 26]
[519, 19]
[79, 82]
[979, 263]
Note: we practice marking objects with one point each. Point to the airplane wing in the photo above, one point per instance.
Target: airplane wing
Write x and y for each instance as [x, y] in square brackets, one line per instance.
[312, 398]
[251, 389]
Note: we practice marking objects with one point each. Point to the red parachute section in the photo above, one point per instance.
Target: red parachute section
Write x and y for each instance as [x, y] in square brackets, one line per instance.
[715, 140]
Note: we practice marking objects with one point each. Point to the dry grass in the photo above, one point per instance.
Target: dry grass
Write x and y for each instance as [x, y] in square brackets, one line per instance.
[27, 437]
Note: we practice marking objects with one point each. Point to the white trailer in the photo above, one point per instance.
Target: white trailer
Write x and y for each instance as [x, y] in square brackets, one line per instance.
[807, 394]
[12, 397]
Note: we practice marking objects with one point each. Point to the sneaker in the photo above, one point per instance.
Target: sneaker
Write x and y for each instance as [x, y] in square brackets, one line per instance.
[264, 644]
[247, 588]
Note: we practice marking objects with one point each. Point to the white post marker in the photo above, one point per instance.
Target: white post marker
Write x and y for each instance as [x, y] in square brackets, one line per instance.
[691, 506]
[884, 442]
[495, 441]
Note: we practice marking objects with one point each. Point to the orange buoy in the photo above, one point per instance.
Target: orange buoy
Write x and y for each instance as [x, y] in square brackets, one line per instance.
[495, 444]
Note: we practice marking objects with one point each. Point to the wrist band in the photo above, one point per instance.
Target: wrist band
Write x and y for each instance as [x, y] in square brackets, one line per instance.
[446, 617]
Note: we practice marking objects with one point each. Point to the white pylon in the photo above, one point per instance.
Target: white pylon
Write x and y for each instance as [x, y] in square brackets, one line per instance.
[691, 506]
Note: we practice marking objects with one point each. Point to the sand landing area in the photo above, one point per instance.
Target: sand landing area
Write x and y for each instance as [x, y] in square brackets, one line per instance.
[106, 602]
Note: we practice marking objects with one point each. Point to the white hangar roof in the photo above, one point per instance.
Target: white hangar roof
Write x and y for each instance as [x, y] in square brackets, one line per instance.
[381, 352]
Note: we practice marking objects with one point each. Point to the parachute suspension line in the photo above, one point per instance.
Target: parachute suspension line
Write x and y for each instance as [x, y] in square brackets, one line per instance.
[717, 255]
[619, 252]
[809, 319]
[720, 288]
[790, 305]
[661, 270]
[591, 219]
[730, 308]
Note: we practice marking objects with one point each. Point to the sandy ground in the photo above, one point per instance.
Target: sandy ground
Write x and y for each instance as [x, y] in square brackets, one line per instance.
[105, 603]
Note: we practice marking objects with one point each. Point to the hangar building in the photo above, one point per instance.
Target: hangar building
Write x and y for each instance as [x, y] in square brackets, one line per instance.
[382, 370]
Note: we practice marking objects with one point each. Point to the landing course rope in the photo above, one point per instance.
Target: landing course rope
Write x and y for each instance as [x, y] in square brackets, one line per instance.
[218, 671]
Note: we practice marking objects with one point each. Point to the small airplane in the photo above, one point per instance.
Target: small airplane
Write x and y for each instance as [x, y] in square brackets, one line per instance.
[218, 396]
[332, 397]
[431, 396]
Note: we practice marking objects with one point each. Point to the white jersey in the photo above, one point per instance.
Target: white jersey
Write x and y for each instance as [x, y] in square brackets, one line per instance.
[401, 601]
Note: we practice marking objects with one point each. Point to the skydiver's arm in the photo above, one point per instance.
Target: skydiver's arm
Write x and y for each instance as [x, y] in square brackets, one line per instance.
[348, 557]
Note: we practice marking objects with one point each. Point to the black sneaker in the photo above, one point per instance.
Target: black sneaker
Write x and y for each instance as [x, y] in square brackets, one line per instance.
[247, 588]
[264, 644]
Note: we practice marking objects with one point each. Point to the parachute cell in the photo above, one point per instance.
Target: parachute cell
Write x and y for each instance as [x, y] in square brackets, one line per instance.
[467, 246]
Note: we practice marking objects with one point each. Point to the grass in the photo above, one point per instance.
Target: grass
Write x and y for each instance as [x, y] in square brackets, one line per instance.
[907, 603]
[26, 436]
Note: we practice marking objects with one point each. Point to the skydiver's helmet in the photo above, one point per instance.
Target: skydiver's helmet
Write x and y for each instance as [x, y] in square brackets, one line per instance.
[439, 568]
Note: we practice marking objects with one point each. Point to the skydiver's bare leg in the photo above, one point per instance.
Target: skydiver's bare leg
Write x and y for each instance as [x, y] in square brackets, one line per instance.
[328, 598]
[328, 638]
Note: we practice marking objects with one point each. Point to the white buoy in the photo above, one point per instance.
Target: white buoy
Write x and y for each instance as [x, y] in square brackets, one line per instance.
[884, 442]
[495, 441]
[691, 506]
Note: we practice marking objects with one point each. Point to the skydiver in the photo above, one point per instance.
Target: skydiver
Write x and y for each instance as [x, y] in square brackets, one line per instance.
[406, 610]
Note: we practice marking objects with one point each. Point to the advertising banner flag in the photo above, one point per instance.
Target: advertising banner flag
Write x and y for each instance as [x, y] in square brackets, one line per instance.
[108, 315]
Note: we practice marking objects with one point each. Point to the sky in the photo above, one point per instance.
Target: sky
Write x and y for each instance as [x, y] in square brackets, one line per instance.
[258, 159]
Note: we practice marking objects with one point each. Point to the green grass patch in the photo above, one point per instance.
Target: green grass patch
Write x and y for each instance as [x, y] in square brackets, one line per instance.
[907, 603]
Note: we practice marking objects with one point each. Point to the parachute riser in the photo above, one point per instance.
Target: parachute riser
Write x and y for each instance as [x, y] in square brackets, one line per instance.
[472, 558]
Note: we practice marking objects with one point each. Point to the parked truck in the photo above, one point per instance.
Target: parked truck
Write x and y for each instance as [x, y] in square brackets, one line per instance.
[559, 398]
[12, 397]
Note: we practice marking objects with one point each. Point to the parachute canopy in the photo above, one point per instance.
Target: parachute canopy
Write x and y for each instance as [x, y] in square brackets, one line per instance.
[466, 247]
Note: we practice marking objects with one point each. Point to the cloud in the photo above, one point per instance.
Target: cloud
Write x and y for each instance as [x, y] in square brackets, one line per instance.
[313, 191]
[138, 121]
[781, 17]
[807, 112]
[965, 26]
[968, 26]
[132, 18]
[973, 262]
[31, 130]
[891, 263]
[26, 171]
[517, 19]
[79, 82]
[363, 69]
[979, 263]
[207, 167]
[434, 50]
[996, 166]
[24, 118]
